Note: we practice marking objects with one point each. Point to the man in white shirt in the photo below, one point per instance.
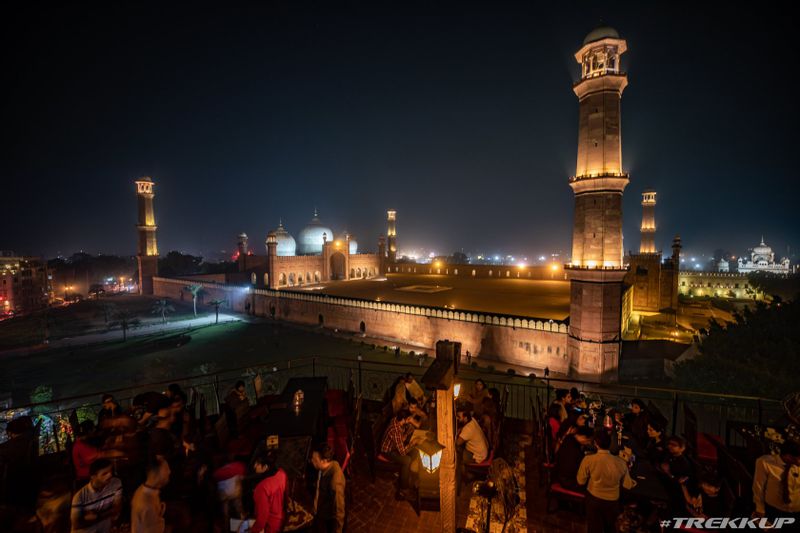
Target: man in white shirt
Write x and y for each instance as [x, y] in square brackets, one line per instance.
[471, 436]
[603, 473]
[147, 509]
[99, 502]
[776, 483]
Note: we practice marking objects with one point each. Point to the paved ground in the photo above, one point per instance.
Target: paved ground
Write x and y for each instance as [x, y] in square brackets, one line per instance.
[547, 299]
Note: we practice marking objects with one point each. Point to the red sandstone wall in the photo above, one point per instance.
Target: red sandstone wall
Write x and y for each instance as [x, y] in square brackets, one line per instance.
[534, 348]
[531, 348]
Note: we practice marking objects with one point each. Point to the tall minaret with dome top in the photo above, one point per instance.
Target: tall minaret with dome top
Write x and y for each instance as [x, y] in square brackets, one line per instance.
[596, 269]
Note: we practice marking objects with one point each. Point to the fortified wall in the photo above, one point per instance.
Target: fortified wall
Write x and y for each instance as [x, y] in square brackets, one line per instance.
[523, 341]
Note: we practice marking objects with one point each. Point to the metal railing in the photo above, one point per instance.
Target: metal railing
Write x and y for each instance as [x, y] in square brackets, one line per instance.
[374, 379]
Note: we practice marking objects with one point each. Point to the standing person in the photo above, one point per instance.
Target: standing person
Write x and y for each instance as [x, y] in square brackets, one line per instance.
[329, 508]
[570, 455]
[110, 409]
[776, 483]
[477, 395]
[86, 450]
[268, 494]
[604, 474]
[236, 405]
[99, 502]
[147, 509]
[562, 401]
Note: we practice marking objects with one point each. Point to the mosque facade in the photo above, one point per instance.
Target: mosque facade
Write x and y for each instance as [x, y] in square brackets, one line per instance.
[317, 255]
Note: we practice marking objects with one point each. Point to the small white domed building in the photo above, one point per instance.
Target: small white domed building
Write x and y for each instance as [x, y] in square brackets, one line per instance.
[762, 259]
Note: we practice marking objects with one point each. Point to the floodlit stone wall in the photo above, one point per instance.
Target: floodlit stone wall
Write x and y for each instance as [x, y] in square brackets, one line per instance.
[528, 342]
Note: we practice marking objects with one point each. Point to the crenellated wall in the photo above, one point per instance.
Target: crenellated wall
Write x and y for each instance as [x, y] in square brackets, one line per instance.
[523, 341]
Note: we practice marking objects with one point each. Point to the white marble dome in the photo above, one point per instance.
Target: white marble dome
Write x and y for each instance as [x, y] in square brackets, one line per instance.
[286, 243]
[309, 240]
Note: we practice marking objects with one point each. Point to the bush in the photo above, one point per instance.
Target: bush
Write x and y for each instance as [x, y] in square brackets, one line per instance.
[385, 348]
[532, 376]
[411, 353]
[511, 372]
[474, 364]
[491, 368]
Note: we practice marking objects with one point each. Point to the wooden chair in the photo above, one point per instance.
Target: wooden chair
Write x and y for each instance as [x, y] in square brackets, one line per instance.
[701, 444]
[482, 469]
[378, 461]
[555, 491]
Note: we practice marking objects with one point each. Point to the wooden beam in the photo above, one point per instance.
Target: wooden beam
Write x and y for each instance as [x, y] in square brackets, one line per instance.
[445, 423]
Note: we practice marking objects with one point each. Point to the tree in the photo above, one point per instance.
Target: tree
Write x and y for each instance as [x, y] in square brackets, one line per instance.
[162, 307]
[195, 291]
[178, 264]
[125, 319]
[107, 309]
[753, 355]
[215, 304]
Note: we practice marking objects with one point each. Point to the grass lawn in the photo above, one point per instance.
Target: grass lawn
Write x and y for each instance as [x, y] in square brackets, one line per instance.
[85, 316]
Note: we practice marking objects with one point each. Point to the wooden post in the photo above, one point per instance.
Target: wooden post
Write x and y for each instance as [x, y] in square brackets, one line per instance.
[445, 420]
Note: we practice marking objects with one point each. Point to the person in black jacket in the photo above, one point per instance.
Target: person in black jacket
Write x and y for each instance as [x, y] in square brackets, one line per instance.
[569, 457]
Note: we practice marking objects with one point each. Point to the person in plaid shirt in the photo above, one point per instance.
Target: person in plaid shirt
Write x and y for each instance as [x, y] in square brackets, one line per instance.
[395, 446]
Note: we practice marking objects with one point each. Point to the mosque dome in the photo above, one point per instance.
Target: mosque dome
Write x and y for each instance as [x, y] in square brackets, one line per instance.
[286, 243]
[762, 249]
[310, 238]
[353, 242]
[602, 32]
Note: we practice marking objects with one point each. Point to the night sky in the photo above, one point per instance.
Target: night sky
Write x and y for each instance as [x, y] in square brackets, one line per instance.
[460, 117]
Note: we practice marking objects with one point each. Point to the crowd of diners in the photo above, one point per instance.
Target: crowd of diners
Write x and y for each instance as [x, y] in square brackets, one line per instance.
[593, 457]
[412, 414]
[159, 468]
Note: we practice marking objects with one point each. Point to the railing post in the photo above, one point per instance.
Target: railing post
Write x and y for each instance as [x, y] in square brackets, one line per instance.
[359, 374]
[675, 414]
[314, 366]
[760, 413]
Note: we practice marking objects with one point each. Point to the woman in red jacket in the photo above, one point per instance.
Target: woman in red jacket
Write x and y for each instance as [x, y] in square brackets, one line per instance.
[269, 494]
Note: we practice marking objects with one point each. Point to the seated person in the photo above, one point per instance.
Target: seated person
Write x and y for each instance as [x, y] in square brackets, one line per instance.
[569, 457]
[395, 446]
[706, 499]
[418, 415]
[655, 450]
[471, 437]
[675, 463]
[476, 396]
[98, 504]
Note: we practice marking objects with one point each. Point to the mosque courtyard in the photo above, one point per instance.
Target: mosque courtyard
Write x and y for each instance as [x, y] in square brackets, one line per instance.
[547, 299]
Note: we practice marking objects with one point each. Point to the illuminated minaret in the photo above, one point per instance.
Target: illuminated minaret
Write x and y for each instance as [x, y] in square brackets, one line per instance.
[648, 241]
[147, 251]
[391, 234]
[596, 271]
